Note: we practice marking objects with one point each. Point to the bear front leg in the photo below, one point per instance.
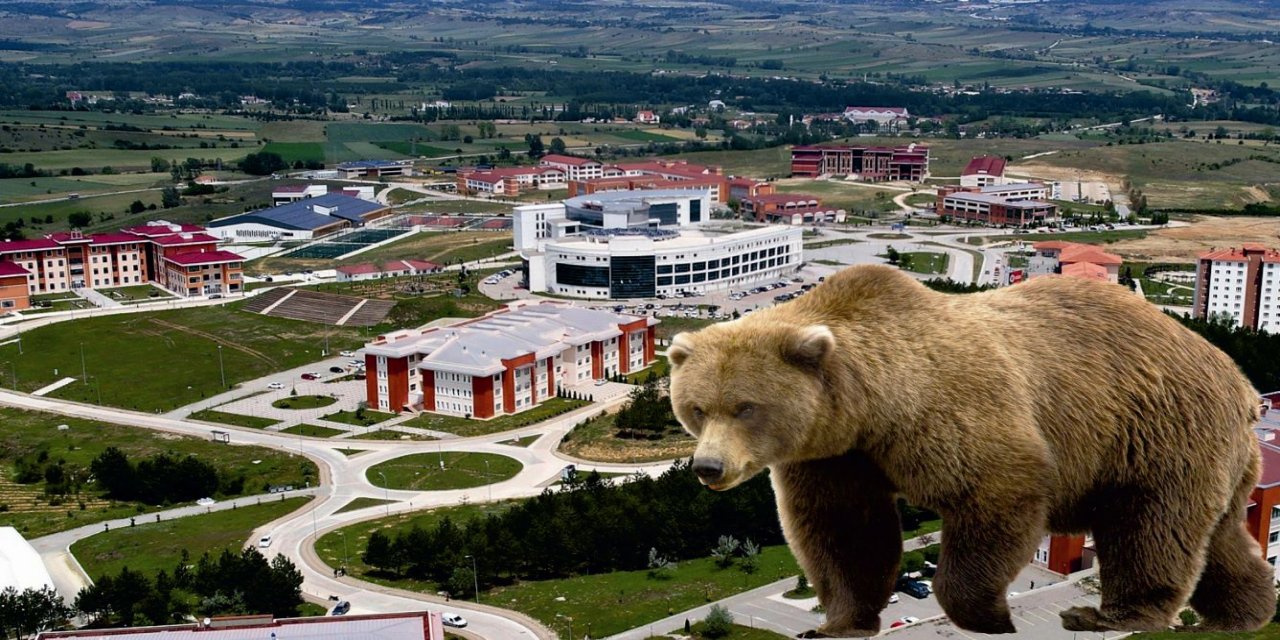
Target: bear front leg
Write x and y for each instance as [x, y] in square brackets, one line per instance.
[982, 553]
[842, 525]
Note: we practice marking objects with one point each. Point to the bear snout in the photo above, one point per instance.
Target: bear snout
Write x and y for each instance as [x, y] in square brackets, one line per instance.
[708, 470]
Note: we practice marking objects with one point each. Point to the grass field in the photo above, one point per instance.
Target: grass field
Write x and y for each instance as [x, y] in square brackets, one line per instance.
[312, 430]
[523, 442]
[853, 197]
[27, 434]
[118, 352]
[370, 418]
[1269, 632]
[461, 470]
[669, 327]
[924, 262]
[465, 427]
[152, 546]
[234, 419]
[438, 247]
[595, 440]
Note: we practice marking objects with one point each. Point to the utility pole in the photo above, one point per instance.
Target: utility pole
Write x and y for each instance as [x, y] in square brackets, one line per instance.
[475, 575]
[84, 372]
[221, 370]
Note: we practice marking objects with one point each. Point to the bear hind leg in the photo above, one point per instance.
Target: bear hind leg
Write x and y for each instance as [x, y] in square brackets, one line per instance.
[981, 555]
[1148, 560]
[1236, 591]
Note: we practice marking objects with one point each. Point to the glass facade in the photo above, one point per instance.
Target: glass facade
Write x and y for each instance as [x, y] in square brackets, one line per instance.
[632, 277]
[695, 211]
[666, 213]
[582, 276]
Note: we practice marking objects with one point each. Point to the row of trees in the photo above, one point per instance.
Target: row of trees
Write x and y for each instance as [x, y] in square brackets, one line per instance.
[228, 584]
[30, 611]
[161, 479]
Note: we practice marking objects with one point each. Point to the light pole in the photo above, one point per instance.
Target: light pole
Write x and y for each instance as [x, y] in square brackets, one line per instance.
[84, 371]
[488, 477]
[475, 575]
[222, 371]
[386, 494]
[345, 558]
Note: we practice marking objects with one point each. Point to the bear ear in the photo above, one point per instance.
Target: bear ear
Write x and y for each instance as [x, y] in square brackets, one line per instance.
[679, 350]
[809, 345]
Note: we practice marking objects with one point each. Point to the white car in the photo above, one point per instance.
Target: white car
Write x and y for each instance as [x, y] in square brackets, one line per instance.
[276, 385]
[347, 354]
[204, 502]
[453, 620]
[264, 542]
[893, 598]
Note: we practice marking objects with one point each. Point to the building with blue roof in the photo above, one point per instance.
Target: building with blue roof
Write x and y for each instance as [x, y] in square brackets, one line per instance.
[301, 220]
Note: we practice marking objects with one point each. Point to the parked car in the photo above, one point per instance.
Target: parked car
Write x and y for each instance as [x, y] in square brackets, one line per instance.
[355, 363]
[904, 621]
[916, 589]
[336, 369]
[893, 598]
[453, 620]
[347, 354]
[341, 608]
[276, 385]
[310, 376]
[264, 542]
[601, 382]
[205, 502]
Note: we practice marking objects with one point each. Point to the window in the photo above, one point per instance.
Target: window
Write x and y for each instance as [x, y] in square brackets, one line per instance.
[1274, 537]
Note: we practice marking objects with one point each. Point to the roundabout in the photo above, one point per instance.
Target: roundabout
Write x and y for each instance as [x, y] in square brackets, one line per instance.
[443, 471]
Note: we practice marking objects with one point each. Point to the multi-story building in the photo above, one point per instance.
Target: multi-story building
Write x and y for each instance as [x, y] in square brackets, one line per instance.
[15, 293]
[300, 220]
[740, 188]
[983, 171]
[376, 168]
[609, 210]
[790, 208]
[883, 116]
[1073, 259]
[506, 362]
[872, 164]
[1018, 205]
[713, 185]
[180, 258]
[510, 181]
[574, 167]
[1242, 285]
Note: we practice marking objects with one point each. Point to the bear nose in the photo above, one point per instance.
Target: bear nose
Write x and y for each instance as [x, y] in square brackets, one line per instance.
[708, 469]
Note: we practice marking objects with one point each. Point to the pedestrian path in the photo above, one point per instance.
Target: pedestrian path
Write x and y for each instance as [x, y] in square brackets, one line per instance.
[96, 298]
[53, 387]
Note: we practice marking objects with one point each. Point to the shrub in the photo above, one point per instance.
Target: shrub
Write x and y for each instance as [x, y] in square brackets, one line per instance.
[718, 623]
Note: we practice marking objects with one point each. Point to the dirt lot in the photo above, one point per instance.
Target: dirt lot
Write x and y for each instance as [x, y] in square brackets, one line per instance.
[1182, 244]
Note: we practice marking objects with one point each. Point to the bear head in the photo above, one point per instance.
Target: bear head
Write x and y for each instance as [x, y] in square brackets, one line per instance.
[750, 394]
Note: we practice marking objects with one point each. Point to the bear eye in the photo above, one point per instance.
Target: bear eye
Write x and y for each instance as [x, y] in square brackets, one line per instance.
[698, 414]
[744, 410]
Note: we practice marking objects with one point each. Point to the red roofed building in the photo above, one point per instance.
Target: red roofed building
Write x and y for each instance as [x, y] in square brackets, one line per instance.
[68, 260]
[202, 272]
[740, 188]
[510, 181]
[574, 167]
[871, 164]
[648, 117]
[1241, 285]
[1076, 260]
[1087, 271]
[15, 294]
[790, 208]
[357, 272]
[983, 171]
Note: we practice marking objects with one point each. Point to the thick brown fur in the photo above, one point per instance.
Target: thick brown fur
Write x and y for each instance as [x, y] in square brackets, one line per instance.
[1056, 405]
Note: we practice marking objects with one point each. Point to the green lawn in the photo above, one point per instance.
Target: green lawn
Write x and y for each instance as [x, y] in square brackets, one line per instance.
[1088, 237]
[234, 419]
[1269, 632]
[351, 452]
[303, 402]
[391, 434]
[174, 354]
[27, 434]
[292, 152]
[462, 470]
[330, 546]
[669, 327]
[523, 442]
[349, 417]
[660, 368]
[137, 293]
[362, 503]
[924, 262]
[468, 427]
[595, 440]
[152, 546]
[314, 431]
[823, 244]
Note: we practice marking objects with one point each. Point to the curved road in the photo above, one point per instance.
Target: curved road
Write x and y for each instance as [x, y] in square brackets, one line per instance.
[343, 479]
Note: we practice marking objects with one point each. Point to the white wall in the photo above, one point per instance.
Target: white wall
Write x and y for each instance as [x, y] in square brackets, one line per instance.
[1227, 289]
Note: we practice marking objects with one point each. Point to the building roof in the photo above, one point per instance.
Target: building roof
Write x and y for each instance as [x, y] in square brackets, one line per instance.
[493, 175]
[203, 257]
[307, 215]
[12, 269]
[180, 239]
[1088, 253]
[13, 246]
[420, 625]
[1086, 270]
[557, 158]
[997, 189]
[373, 164]
[479, 347]
[1243, 254]
[984, 165]
[991, 198]
[1050, 245]
[157, 228]
[117, 237]
[897, 111]
[20, 564]
[358, 269]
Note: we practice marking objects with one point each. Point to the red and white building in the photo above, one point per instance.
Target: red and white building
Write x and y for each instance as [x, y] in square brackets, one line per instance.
[648, 117]
[983, 171]
[420, 625]
[1074, 259]
[15, 293]
[1016, 205]
[393, 269]
[510, 181]
[505, 362]
[1242, 285]
[872, 164]
[574, 167]
[790, 208]
[180, 258]
[883, 116]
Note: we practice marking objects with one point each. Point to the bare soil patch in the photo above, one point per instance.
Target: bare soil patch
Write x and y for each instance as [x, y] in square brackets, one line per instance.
[1184, 244]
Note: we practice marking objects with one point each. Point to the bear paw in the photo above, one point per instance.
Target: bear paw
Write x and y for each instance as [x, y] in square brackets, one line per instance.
[842, 633]
[1083, 619]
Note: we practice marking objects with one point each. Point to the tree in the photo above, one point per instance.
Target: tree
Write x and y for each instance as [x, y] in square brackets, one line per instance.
[169, 197]
[31, 611]
[536, 147]
[750, 557]
[893, 256]
[262, 163]
[724, 550]
[557, 145]
[80, 219]
[159, 165]
[718, 623]
[379, 554]
[137, 207]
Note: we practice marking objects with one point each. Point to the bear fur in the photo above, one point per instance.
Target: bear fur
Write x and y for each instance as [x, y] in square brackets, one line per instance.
[1058, 405]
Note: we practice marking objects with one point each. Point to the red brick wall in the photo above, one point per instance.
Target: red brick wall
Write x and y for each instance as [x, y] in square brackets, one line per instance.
[1259, 516]
[429, 390]
[397, 383]
[597, 360]
[1065, 553]
[482, 395]
[371, 381]
[551, 377]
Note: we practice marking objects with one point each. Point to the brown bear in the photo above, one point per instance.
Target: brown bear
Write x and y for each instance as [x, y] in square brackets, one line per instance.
[1058, 405]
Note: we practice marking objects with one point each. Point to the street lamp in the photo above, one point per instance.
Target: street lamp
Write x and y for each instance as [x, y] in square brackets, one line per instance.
[475, 575]
[488, 477]
[386, 495]
[222, 371]
[345, 558]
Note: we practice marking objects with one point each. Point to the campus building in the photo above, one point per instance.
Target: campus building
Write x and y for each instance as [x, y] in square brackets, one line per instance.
[506, 362]
[1074, 259]
[302, 219]
[740, 188]
[983, 171]
[510, 181]
[870, 164]
[376, 168]
[608, 210]
[14, 291]
[180, 258]
[790, 208]
[421, 625]
[392, 269]
[1018, 205]
[1242, 285]
[883, 116]
[285, 194]
[574, 167]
